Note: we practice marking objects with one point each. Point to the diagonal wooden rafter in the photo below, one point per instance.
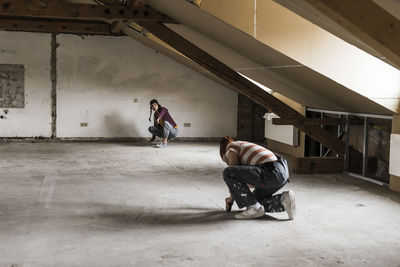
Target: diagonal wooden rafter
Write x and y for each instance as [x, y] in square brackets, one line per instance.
[72, 11]
[244, 86]
[367, 21]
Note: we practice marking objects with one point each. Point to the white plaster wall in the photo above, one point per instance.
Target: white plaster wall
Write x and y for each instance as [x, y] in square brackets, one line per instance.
[98, 78]
[33, 51]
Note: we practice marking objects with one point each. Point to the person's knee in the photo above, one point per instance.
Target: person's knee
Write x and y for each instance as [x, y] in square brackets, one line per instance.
[227, 173]
[173, 134]
[151, 129]
[166, 132]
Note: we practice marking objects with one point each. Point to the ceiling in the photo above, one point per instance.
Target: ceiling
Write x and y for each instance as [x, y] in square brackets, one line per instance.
[260, 62]
[307, 11]
[249, 57]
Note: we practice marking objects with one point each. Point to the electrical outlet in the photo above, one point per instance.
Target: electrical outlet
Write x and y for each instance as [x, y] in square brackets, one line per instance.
[186, 124]
[135, 100]
[84, 124]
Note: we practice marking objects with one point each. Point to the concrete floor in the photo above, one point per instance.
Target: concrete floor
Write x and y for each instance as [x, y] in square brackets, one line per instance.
[109, 204]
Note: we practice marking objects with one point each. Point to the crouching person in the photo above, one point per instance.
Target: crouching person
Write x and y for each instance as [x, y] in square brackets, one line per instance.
[164, 126]
[253, 165]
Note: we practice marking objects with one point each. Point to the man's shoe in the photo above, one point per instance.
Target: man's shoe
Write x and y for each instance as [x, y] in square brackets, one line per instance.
[161, 145]
[251, 213]
[289, 203]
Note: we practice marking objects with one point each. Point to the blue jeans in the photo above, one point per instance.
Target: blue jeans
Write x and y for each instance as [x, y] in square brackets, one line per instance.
[167, 131]
[267, 179]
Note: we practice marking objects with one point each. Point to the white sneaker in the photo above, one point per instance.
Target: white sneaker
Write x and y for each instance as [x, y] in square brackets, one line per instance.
[289, 203]
[251, 213]
[161, 145]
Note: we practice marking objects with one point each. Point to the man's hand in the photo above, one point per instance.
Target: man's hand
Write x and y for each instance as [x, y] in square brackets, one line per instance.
[228, 203]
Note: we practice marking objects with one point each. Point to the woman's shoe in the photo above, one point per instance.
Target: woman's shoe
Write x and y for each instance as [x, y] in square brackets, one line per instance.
[161, 145]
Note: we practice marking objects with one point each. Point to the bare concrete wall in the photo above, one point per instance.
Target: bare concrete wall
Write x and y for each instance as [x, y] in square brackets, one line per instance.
[32, 51]
[99, 79]
[106, 83]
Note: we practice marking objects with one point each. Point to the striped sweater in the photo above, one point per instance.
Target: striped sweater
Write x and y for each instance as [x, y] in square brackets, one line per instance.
[249, 153]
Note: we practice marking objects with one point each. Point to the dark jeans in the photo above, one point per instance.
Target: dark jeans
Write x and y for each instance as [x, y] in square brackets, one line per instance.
[266, 178]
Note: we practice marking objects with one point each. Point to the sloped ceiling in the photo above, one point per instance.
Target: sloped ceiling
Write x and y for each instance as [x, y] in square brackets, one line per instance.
[262, 63]
[252, 58]
[305, 10]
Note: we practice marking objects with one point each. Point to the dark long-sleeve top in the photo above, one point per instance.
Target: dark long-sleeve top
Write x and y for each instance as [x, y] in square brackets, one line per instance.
[164, 115]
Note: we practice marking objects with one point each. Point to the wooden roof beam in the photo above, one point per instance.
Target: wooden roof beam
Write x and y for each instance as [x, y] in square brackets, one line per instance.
[367, 21]
[55, 26]
[244, 86]
[93, 12]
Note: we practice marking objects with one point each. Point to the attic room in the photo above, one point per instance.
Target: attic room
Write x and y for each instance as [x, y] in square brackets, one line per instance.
[125, 129]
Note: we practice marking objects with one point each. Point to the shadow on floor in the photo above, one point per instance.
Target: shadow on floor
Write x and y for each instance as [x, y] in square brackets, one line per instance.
[126, 217]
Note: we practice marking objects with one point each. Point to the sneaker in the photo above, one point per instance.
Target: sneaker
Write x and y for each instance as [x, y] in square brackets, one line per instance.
[289, 203]
[161, 145]
[251, 213]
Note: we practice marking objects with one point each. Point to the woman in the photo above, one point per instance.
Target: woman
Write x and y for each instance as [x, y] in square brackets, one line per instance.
[253, 165]
[164, 126]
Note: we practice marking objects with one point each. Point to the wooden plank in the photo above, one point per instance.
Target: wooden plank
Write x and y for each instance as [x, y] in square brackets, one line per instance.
[33, 9]
[331, 165]
[367, 21]
[317, 165]
[356, 165]
[244, 86]
[54, 27]
[316, 121]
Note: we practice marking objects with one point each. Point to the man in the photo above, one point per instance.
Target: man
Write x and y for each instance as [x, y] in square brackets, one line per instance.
[254, 165]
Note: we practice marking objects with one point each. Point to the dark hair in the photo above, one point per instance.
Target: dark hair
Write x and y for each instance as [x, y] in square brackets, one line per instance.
[151, 103]
[223, 144]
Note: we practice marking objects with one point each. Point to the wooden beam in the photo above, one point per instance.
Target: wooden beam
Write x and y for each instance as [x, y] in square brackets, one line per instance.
[367, 21]
[315, 121]
[116, 26]
[54, 26]
[131, 3]
[53, 10]
[331, 165]
[317, 165]
[244, 86]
